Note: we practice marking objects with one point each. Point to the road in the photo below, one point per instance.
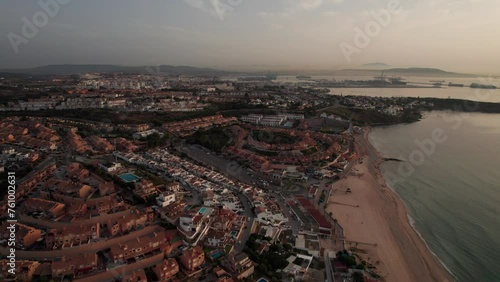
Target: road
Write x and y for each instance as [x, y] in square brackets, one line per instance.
[292, 222]
[328, 268]
[248, 230]
[227, 167]
[87, 248]
[246, 234]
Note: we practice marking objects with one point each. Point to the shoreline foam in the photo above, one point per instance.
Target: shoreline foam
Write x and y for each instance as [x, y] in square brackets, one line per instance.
[381, 224]
[413, 225]
[411, 221]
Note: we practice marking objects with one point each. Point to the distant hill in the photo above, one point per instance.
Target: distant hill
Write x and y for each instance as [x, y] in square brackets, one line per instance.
[376, 65]
[428, 72]
[372, 69]
[74, 69]
[13, 75]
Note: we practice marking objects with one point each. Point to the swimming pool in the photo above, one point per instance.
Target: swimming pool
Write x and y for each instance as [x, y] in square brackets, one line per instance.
[129, 177]
[217, 255]
[202, 210]
[234, 233]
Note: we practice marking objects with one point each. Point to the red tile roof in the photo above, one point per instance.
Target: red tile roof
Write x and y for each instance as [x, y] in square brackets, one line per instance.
[318, 217]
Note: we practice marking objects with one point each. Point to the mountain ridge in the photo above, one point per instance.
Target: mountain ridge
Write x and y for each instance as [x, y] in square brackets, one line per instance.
[412, 71]
[67, 69]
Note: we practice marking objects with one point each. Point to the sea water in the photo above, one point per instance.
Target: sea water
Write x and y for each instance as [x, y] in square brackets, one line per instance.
[452, 192]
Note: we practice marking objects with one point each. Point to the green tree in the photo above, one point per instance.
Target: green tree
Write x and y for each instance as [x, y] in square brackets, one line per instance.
[358, 277]
[151, 200]
[287, 247]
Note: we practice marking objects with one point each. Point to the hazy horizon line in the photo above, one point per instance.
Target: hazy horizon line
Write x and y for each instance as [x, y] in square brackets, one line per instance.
[261, 67]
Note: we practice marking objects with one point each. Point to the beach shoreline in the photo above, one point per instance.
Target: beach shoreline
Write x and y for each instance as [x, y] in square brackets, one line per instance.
[375, 219]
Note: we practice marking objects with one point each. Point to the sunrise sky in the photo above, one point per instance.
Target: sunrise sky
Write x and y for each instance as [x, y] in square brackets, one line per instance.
[455, 35]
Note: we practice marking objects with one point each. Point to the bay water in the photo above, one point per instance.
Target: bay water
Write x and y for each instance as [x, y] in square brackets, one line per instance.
[450, 186]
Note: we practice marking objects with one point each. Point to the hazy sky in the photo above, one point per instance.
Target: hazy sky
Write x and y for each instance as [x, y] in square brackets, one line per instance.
[456, 35]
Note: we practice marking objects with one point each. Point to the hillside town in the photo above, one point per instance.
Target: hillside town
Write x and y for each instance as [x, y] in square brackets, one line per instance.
[180, 179]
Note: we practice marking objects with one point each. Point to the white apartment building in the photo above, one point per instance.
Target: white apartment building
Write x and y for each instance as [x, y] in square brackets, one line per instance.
[165, 199]
[255, 119]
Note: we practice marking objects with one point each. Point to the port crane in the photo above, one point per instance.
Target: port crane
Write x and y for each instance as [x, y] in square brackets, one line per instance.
[381, 77]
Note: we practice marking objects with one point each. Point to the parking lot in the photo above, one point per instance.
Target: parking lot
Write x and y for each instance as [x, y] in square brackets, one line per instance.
[228, 167]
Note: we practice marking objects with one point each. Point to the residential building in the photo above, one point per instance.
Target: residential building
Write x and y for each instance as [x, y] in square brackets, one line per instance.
[75, 265]
[76, 171]
[272, 120]
[144, 134]
[157, 241]
[166, 270]
[269, 216]
[309, 243]
[77, 210]
[110, 167]
[26, 235]
[165, 199]
[298, 265]
[145, 188]
[240, 265]
[294, 116]
[127, 223]
[40, 173]
[192, 222]
[24, 270]
[255, 119]
[106, 188]
[72, 235]
[136, 276]
[173, 187]
[100, 144]
[193, 258]
[68, 188]
[50, 208]
[76, 143]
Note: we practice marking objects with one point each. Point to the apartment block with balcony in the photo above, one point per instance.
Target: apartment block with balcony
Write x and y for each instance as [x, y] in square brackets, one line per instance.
[165, 199]
[74, 265]
[72, 235]
[157, 241]
[192, 259]
[166, 270]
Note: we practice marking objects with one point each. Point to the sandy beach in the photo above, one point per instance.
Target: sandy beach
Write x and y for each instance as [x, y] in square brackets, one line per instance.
[375, 220]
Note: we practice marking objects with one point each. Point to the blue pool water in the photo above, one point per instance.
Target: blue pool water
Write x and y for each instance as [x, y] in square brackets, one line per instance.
[129, 177]
[217, 255]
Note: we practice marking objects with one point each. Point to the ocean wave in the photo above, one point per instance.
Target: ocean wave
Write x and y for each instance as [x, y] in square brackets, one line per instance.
[412, 223]
[413, 226]
[377, 145]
